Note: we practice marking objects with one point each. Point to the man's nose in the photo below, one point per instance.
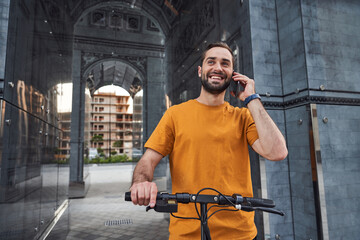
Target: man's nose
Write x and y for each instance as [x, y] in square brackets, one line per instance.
[217, 67]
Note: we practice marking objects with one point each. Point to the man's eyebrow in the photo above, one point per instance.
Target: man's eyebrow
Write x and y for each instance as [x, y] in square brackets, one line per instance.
[213, 58]
[210, 58]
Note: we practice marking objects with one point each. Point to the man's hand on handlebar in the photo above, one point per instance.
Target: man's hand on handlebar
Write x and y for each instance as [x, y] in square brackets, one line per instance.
[144, 193]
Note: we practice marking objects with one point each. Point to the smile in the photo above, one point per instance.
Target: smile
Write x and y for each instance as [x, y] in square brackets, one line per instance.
[216, 77]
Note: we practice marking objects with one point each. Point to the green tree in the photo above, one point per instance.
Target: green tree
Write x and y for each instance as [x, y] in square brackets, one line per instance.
[97, 138]
[118, 143]
[101, 152]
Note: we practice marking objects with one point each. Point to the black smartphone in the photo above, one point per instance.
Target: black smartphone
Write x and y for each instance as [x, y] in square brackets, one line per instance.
[235, 86]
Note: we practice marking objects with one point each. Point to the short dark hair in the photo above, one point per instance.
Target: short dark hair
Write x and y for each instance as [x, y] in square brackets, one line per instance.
[217, 44]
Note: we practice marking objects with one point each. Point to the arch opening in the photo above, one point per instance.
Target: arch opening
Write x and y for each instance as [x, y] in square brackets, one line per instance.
[113, 72]
[115, 125]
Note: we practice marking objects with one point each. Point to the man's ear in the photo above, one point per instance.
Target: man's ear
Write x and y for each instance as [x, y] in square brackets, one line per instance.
[199, 71]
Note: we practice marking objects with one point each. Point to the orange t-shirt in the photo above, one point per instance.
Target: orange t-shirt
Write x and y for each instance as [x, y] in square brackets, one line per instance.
[208, 147]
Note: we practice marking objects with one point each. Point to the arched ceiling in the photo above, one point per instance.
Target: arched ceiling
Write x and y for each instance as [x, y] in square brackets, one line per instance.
[114, 72]
[162, 12]
[110, 38]
[114, 37]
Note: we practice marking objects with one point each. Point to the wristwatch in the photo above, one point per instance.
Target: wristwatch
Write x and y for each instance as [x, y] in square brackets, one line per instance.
[251, 97]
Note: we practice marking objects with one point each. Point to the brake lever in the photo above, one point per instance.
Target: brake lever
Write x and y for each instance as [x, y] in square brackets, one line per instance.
[168, 206]
[270, 210]
[264, 209]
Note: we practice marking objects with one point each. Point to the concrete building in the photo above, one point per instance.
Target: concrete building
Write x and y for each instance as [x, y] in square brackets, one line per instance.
[137, 127]
[111, 115]
[64, 125]
[111, 119]
[303, 55]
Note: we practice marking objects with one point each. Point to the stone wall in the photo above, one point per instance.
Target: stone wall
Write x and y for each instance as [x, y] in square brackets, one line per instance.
[4, 20]
[339, 141]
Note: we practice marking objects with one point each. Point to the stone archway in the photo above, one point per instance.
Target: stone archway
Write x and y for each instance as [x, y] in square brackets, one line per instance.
[101, 47]
[117, 71]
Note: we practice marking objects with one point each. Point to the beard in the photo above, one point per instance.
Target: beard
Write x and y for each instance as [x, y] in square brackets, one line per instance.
[215, 88]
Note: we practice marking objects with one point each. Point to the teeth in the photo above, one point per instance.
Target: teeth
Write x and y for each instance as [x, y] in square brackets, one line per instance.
[215, 77]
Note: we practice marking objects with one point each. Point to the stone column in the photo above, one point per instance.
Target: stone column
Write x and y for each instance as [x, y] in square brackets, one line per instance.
[4, 20]
[154, 104]
[77, 180]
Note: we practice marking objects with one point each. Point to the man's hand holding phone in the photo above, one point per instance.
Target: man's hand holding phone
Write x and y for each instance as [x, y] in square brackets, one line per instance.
[246, 83]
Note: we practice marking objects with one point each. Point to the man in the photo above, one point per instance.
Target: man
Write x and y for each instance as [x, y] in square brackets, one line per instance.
[206, 140]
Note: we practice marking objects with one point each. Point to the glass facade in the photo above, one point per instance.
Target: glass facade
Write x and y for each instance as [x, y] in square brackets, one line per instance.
[303, 55]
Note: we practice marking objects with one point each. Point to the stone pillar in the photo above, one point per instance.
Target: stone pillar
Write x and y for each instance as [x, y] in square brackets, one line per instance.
[154, 103]
[4, 20]
[77, 186]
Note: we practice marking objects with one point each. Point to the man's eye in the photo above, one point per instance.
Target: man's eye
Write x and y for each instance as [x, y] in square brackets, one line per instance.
[210, 62]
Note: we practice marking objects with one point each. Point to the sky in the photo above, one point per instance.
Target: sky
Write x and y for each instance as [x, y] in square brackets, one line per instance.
[65, 96]
[113, 88]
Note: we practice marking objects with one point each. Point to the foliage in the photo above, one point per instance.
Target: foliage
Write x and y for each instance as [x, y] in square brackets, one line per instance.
[64, 161]
[101, 152]
[120, 158]
[112, 159]
[97, 138]
[118, 143]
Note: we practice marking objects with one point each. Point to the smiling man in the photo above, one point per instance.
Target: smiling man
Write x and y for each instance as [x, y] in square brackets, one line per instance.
[207, 142]
[218, 78]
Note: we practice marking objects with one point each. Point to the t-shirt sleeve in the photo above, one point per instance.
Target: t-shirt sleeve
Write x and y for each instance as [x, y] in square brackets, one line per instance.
[162, 138]
[251, 131]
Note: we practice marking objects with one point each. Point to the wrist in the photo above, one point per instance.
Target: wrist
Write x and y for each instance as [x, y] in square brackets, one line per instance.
[251, 97]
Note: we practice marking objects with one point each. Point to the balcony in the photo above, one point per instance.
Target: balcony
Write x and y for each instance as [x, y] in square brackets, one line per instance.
[99, 130]
[121, 130]
[122, 104]
[123, 120]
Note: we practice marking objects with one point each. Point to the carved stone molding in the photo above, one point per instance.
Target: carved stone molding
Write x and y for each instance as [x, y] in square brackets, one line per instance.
[88, 58]
[152, 8]
[87, 44]
[194, 31]
[312, 99]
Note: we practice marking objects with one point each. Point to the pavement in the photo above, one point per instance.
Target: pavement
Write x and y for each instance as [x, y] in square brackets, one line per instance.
[103, 214]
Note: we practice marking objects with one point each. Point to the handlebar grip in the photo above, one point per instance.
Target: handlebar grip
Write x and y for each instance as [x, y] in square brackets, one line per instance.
[259, 202]
[128, 196]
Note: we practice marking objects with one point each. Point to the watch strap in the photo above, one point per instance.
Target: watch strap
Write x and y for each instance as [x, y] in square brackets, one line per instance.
[251, 97]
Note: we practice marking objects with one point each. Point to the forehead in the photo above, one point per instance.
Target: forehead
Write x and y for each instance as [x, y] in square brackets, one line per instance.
[218, 52]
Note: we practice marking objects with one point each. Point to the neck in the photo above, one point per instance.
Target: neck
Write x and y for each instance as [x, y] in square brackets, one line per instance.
[211, 99]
